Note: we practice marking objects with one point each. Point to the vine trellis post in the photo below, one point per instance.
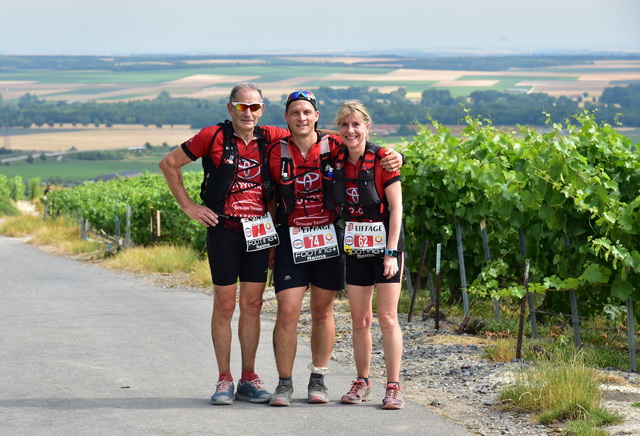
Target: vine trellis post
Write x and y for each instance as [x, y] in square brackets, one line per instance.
[463, 274]
[418, 280]
[487, 256]
[631, 331]
[532, 308]
[575, 317]
[438, 285]
[523, 309]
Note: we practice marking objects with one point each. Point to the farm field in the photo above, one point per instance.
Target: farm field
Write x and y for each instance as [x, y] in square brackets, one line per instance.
[65, 137]
[212, 79]
[79, 171]
[276, 80]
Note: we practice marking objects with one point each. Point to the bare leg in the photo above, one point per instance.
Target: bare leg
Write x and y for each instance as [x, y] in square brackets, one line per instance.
[251, 295]
[388, 295]
[360, 301]
[224, 304]
[323, 328]
[285, 332]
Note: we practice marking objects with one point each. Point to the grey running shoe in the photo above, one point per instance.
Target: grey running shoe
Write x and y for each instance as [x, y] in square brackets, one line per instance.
[282, 395]
[393, 397]
[358, 393]
[252, 391]
[317, 391]
[224, 393]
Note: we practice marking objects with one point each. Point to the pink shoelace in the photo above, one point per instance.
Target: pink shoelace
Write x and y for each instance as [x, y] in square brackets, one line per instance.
[393, 391]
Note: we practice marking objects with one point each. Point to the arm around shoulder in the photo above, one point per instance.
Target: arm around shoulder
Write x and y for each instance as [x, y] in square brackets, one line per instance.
[392, 160]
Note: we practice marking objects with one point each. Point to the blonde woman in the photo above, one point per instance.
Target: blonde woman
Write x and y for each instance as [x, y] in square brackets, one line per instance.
[370, 201]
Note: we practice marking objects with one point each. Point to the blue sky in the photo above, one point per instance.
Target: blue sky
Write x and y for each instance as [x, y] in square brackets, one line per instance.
[123, 27]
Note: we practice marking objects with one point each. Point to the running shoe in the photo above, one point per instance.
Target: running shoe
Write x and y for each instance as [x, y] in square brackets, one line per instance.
[224, 393]
[317, 391]
[252, 391]
[282, 395]
[358, 393]
[393, 397]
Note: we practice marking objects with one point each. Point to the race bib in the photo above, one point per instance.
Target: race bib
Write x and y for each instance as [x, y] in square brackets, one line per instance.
[365, 239]
[313, 243]
[259, 232]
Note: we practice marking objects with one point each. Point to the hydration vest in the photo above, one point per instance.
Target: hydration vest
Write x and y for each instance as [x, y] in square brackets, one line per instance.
[369, 199]
[286, 188]
[217, 183]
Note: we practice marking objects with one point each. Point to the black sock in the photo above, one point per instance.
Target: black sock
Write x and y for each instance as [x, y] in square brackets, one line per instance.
[365, 380]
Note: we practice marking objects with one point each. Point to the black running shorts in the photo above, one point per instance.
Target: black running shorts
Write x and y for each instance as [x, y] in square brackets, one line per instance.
[369, 271]
[324, 274]
[229, 259]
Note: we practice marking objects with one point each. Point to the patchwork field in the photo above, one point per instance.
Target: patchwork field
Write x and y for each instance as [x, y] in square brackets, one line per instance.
[278, 80]
[215, 79]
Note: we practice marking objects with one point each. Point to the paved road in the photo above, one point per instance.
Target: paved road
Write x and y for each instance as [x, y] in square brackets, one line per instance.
[84, 350]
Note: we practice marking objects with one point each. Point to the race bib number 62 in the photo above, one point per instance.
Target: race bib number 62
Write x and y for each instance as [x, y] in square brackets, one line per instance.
[365, 239]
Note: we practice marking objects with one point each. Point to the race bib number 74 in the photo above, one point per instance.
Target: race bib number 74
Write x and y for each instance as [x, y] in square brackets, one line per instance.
[313, 243]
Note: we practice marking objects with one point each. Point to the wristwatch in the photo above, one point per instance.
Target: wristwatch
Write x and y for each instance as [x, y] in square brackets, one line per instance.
[404, 158]
[392, 253]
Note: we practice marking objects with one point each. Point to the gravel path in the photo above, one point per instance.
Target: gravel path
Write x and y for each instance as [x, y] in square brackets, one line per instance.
[446, 373]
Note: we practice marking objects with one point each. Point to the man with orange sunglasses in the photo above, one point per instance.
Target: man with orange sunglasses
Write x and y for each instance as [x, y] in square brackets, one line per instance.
[235, 191]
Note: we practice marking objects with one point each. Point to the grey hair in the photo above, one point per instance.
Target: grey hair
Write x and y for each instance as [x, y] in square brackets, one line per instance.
[243, 85]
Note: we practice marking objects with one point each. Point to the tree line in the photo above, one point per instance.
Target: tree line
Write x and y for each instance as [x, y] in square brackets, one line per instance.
[616, 104]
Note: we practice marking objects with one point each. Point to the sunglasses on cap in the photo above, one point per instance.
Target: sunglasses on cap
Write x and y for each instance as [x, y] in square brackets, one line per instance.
[242, 107]
[302, 95]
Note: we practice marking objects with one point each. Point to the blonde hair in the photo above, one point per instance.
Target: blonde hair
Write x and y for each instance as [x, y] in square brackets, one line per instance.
[353, 107]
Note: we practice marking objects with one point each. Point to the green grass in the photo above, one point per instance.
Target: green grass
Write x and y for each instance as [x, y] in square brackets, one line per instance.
[561, 389]
[78, 171]
[7, 207]
[62, 232]
[166, 259]
[159, 258]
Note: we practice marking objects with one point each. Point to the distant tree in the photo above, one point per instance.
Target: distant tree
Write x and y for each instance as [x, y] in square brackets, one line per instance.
[437, 97]
[404, 130]
[164, 95]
